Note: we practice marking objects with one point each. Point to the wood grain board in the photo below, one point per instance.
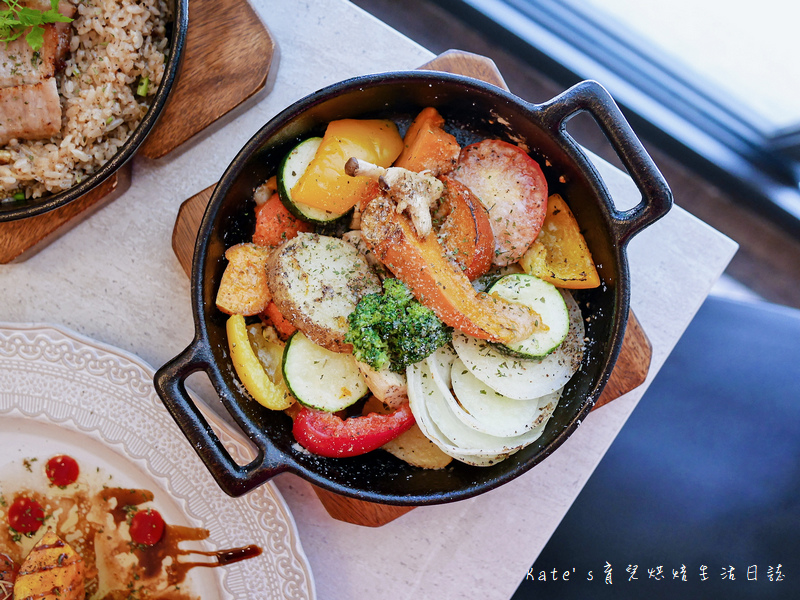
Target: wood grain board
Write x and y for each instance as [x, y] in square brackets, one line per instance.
[629, 372]
[228, 57]
[23, 238]
[459, 62]
[359, 512]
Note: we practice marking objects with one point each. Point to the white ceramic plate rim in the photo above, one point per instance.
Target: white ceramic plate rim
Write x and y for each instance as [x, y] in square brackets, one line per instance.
[51, 374]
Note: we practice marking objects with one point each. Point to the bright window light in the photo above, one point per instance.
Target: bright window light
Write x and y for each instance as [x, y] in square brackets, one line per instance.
[747, 51]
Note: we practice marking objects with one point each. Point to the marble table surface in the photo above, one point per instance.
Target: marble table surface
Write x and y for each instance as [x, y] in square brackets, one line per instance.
[114, 278]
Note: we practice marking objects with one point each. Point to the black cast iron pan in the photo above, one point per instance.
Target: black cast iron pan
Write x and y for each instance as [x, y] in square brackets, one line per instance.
[473, 110]
[11, 211]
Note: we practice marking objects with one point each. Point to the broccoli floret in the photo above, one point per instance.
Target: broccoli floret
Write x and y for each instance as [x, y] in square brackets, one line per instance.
[363, 333]
[397, 291]
[394, 329]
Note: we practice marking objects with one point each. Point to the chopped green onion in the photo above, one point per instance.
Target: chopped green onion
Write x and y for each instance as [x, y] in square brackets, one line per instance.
[144, 85]
[19, 196]
[108, 120]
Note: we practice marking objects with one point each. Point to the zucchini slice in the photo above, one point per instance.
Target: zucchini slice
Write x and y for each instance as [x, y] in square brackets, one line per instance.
[545, 299]
[290, 170]
[319, 378]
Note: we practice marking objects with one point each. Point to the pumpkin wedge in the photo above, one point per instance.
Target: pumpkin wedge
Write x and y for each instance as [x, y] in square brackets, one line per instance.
[437, 283]
[466, 233]
[427, 146]
[560, 254]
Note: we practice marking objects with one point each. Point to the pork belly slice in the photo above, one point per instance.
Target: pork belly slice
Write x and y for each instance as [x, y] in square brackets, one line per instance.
[30, 112]
[20, 65]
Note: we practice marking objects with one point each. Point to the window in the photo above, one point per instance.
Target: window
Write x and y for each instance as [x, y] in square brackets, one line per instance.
[714, 83]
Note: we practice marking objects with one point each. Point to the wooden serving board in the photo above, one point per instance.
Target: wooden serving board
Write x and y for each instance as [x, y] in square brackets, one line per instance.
[629, 372]
[227, 59]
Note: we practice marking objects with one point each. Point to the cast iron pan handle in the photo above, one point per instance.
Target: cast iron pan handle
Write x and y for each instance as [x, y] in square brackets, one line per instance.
[591, 97]
[233, 478]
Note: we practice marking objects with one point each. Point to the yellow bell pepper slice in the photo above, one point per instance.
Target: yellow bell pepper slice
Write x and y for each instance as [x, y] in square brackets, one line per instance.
[251, 372]
[324, 184]
[559, 254]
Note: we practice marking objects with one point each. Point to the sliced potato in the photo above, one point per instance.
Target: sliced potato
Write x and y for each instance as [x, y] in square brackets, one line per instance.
[243, 289]
[316, 282]
[414, 448]
[411, 446]
[52, 571]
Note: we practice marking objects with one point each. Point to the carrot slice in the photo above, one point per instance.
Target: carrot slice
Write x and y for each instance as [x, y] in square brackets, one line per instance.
[273, 316]
[275, 224]
[427, 146]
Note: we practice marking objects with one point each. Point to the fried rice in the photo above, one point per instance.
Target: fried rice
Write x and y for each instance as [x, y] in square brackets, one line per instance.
[117, 57]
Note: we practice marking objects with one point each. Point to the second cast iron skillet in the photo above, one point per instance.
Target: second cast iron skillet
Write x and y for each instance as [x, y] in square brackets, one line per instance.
[11, 211]
[472, 110]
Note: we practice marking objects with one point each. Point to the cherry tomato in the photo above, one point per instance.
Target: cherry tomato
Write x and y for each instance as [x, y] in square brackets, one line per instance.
[25, 515]
[62, 470]
[147, 527]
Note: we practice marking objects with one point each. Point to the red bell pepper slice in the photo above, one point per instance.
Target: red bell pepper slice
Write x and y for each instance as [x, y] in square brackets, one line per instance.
[326, 434]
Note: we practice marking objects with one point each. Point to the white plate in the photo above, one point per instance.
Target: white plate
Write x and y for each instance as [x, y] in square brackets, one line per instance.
[61, 392]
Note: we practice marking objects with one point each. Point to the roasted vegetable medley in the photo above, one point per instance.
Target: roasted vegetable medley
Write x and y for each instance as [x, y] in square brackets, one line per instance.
[437, 323]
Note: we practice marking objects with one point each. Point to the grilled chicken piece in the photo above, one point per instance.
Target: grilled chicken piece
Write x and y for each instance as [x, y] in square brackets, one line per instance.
[413, 192]
[315, 282]
[30, 108]
[30, 112]
[52, 571]
[21, 65]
